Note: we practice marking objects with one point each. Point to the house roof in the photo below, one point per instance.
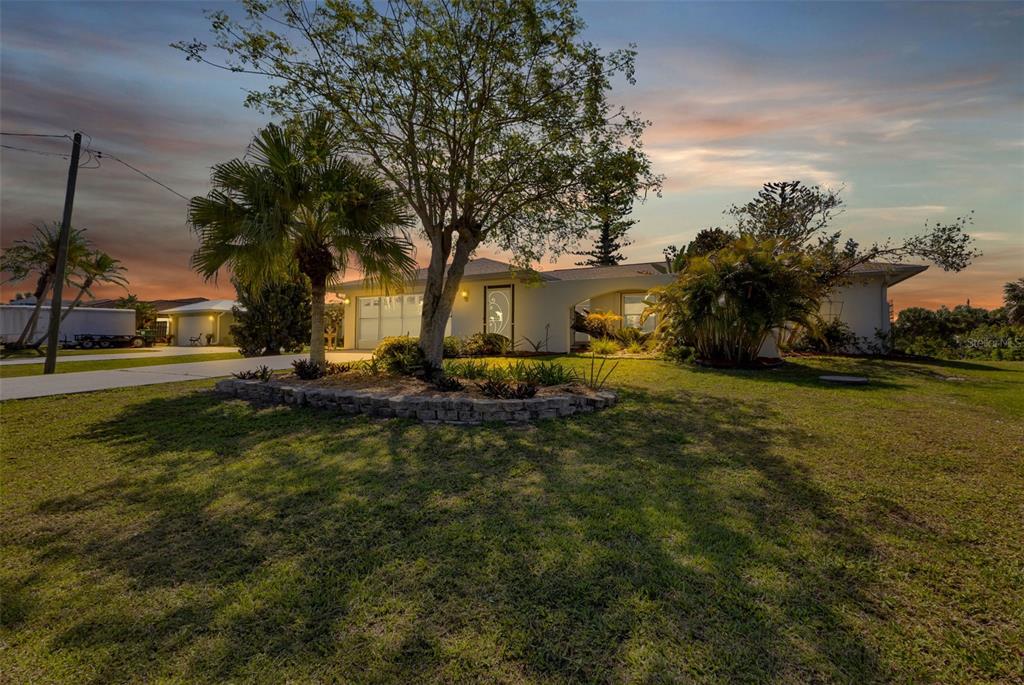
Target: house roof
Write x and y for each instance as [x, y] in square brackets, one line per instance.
[584, 273]
[485, 267]
[202, 307]
[160, 305]
[892, 273]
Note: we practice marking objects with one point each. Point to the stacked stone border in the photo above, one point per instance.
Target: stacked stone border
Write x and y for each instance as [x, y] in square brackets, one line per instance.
[429, 409]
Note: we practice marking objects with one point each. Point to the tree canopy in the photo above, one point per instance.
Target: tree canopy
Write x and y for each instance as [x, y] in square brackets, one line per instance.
[484, 115]
[801, 217]
[295, 205]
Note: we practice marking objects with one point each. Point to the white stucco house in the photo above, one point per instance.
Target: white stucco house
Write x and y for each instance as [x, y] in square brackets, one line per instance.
[527, 309]
[191, 323]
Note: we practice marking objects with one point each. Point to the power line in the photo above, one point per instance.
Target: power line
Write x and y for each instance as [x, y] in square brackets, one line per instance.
[36, 135]
[101, 155]
[37, 152]
[88, 164]
[94, 156]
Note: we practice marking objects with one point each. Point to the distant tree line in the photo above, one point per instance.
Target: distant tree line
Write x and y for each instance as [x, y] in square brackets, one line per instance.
[965, 332]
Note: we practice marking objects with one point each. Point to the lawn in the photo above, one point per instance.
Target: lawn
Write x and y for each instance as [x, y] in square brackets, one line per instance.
[713, 527]
[29, 354]
[19, 370]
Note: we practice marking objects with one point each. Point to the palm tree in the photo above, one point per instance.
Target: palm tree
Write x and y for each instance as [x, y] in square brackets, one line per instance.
[1013, 298]
[145, 312]
[726, 303]
[96, 267]
[294, 204]
[38, 255]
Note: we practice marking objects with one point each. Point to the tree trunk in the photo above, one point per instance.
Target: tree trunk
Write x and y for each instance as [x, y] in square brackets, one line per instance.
[316, 334]
[439, 295]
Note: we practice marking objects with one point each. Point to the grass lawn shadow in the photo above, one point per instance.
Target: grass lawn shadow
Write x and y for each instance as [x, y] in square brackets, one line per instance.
[664, 540]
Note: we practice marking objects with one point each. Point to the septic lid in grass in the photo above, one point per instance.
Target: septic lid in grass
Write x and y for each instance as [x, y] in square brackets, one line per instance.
[845, 380]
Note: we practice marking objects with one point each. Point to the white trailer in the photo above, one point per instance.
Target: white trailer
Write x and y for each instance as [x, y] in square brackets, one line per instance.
[81, 321]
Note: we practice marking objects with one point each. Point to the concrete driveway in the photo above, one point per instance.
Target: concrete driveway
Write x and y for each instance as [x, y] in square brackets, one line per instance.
[88, 381]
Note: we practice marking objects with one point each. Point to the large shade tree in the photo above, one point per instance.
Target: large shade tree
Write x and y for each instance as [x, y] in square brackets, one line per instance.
[295, 205]
[484, 114]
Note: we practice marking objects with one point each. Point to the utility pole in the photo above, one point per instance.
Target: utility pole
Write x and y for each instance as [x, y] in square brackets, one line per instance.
[62, 260]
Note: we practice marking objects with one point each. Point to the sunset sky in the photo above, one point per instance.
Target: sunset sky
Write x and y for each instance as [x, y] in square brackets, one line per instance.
[916, 109]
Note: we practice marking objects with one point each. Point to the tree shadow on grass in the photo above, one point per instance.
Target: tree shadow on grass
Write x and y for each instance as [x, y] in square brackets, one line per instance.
[663, 540]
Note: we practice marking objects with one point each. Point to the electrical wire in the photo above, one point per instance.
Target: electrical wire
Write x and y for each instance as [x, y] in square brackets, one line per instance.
[94, 160]
[35, 135]
[65, 155]
[102, 155]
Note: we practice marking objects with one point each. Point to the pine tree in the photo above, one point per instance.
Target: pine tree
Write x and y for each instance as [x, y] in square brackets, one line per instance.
[615, 179]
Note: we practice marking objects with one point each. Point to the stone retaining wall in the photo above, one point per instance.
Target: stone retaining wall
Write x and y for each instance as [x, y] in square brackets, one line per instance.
[429, 409]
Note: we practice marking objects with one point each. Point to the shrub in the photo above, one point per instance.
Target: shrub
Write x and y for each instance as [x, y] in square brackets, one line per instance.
[400, 354]
[486, 345]
[504, 390]
[370, 367]
[604, 346]
[539, 373]
[833, 336]
[629, 335]
[308, 370]
[595, 377]
[447, 383]
[723, 305]
[263, 373]
[470, 369]
[597, 324]
[333, 369]
[452, 346]
[271, 319]
[635, 348]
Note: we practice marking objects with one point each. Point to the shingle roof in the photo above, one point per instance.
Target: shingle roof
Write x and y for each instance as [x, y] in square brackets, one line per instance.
[199, 307]
[618, 271]
[484, 266]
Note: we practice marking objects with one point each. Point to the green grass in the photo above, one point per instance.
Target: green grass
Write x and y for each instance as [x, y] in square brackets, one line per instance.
[713, 527]
[19, 370]
[28, 354]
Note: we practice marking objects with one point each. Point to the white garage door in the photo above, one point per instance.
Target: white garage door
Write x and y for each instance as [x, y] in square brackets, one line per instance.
[381, 317]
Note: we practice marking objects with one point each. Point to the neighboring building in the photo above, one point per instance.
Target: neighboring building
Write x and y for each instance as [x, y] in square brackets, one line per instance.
[191, 323]
[159, 305]
[540, 307]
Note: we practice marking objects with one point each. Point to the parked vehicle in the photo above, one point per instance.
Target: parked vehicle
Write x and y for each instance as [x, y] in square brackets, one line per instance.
[87, 341]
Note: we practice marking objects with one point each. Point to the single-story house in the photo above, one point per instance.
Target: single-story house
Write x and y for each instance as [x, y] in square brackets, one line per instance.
[532, 309]
[192, 323]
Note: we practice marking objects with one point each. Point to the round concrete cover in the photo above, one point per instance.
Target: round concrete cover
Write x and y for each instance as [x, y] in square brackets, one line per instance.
[848, 380]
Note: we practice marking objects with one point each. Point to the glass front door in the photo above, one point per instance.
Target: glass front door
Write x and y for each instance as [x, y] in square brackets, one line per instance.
[498, 309]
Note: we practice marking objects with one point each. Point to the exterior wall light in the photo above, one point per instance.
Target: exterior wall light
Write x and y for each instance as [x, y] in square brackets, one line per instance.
[211, 317]
[465, 295]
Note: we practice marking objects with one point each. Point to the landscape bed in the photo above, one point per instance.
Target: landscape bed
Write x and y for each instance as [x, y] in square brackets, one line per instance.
[408, 398]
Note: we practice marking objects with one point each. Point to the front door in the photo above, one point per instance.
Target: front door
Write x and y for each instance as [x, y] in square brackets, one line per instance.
[499, 310]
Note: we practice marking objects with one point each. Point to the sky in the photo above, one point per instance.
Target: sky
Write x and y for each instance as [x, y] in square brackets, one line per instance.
[916, 110]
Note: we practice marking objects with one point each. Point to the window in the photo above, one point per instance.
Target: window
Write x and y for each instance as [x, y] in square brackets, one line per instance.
[633, 307]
